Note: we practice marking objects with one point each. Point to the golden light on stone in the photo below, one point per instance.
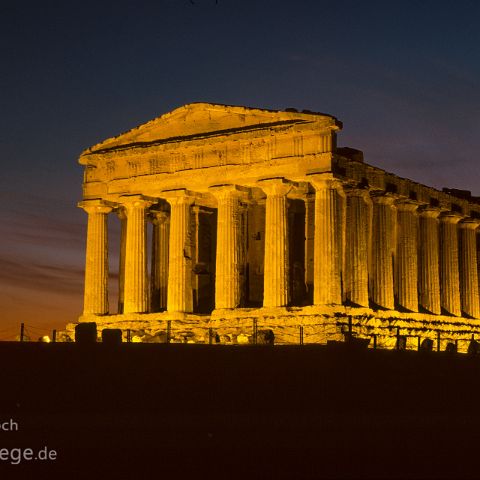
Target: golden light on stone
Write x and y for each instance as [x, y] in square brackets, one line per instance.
[262, 226]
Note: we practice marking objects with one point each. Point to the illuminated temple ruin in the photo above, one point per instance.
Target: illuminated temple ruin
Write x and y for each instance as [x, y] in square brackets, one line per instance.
[263, 227]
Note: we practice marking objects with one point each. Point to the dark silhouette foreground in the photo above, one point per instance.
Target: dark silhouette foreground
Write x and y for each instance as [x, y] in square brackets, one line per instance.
[249, 412]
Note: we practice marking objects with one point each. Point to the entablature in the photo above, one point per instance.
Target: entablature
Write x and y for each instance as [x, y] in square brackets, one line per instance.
[200, 136]
[198, 155]
[358, 173]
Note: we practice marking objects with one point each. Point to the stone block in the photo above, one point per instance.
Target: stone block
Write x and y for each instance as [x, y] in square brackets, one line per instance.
[111, 336]
[86, 333]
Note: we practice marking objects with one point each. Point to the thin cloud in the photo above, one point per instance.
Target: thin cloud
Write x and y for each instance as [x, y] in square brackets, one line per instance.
[53, 279]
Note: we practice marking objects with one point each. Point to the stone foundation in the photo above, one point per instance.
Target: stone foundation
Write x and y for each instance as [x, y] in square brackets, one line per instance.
[320, 325]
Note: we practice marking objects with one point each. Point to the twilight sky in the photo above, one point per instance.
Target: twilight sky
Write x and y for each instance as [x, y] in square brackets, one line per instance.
[403, 76]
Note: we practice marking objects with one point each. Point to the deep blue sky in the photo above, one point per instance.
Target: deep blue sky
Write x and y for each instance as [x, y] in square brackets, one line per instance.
[404, 77]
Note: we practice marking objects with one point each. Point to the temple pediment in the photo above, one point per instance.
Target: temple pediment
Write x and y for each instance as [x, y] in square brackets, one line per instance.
[197, 120]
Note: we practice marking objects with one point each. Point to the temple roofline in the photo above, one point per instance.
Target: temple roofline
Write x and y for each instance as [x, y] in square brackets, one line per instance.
[288, 115]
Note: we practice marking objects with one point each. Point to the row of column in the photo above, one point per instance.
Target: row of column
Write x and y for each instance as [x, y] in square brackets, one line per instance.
[176, 293]
[366, 248]
[417, 257]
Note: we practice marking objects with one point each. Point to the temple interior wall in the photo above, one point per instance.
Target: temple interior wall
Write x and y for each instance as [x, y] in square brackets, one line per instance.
[255, 253]
[204, 236]
[297, 241]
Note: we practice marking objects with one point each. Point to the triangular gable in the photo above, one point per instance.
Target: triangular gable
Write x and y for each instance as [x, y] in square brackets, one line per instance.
[202, 119]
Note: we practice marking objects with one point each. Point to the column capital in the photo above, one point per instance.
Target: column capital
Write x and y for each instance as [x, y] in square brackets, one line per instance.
[158, 217]
[358, 192]
[179, 196]
[450, 217]
[136, 201]
[121, 213]
[96, 206]
[406, 206]
[309, 197]
[469, 223]
[324, 180]
[227, 190]
[301, 191]
[382, 198]
[277, 186]
[429, 212]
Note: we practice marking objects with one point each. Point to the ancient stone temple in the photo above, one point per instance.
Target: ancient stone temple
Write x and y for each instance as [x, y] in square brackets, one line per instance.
[265, 230]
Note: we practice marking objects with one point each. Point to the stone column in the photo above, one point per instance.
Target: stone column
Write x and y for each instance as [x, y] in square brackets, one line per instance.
[406, 265]
[329, 206]
[383, 228]
[136, 281]
[276, 266]
[228, 257]
[159, 267]
[428, 258]
[121, 261]
[180, 296]
[478, 256]
[468, 268]
[449, 274]
[356, 275]
[96, 265]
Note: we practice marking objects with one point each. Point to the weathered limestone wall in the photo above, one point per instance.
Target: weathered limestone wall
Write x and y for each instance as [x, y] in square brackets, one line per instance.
[256, 247]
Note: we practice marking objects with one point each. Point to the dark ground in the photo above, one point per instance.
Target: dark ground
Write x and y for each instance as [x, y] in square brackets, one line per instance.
[192, 411]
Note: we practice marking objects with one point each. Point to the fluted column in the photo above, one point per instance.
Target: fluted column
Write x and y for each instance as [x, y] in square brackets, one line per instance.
[449, 273]
[96, 264]
[121, 261]
[180, 295]
[159, 267]
[276, 266]
[468, 268]
[227, 269]
[383, 229]
[429, 260]
[356, 281]
[329, 216]
[406, 258]
[136, 281]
